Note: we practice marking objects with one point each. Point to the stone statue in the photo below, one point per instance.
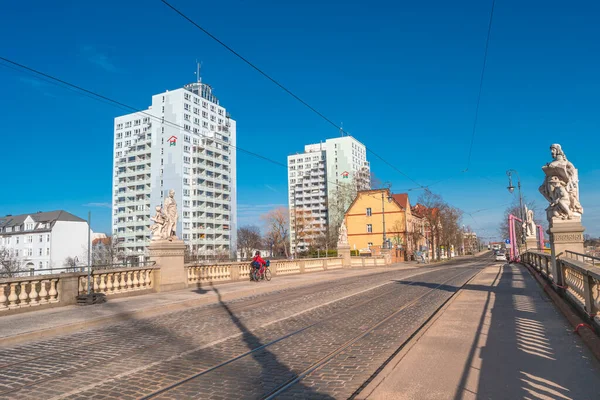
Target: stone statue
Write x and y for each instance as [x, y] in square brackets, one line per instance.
[343, 235]
[158, 228]
[561, 187]
[171, 215]
[529, 223]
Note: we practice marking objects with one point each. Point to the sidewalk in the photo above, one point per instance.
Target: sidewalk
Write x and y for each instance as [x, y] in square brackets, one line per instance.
[33, 325]
[499, 338]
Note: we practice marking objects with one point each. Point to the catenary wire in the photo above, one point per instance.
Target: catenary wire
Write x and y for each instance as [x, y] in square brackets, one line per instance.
[281, 86]
[487, 42]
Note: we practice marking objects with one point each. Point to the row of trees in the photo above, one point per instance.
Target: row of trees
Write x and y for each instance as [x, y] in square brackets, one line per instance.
[443, 224]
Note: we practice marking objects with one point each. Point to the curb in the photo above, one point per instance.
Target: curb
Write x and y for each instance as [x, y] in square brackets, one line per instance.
[390, 365]
[149, 312]
[588, 336]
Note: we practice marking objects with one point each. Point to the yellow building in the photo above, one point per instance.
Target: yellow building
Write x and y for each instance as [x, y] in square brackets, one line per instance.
[365, 218]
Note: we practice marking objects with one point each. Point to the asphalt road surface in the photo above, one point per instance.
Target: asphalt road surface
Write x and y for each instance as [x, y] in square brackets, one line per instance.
[323, 341]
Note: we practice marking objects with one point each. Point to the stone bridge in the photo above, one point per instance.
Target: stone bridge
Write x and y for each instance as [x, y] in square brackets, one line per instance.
[321, 328]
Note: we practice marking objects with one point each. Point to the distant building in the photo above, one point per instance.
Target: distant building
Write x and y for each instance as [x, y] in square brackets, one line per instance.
[44, 240]
[184, 141]
[314, 177]
[404, 231]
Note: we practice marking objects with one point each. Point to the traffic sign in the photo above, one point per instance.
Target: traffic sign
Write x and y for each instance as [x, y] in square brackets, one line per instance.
[507, 241]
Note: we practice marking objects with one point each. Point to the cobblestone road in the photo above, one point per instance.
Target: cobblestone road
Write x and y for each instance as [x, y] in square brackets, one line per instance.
[248, 348]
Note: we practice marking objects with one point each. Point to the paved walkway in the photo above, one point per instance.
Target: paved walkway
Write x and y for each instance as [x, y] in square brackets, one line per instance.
[500, 338]
[32, 325]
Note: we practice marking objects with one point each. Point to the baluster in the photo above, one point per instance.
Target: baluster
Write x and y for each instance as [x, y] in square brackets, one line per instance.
[33, 294]
[109, 285]
[43, 293]
[144, 278]
[136, 282]
[149, 278]
[23, 295]
[95, 286]
[190, 276]
[82, 285]
[129, 281]
[102, 283]
[123, 281]
[117, 284]
[53, 292]
[12, 297]
[3, 297]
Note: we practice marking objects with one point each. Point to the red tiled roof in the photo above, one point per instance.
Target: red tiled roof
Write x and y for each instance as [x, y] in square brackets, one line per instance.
[401, 198]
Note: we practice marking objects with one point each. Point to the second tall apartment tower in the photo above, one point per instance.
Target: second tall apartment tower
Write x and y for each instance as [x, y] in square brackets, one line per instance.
[185, 141]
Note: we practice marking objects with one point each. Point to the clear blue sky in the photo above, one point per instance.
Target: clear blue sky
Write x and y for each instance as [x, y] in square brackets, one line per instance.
[402, 77]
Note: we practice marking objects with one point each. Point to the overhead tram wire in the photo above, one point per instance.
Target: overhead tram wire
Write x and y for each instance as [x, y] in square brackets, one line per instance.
[485, 54]
[281, 86]
[105, 99]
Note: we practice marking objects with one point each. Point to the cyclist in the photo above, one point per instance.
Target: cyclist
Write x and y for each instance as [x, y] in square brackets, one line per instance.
[258, 262]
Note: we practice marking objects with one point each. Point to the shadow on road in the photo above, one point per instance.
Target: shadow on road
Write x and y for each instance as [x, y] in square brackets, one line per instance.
[270, 372]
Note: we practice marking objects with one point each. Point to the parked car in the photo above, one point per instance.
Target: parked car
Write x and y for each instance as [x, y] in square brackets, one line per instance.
[500, 256]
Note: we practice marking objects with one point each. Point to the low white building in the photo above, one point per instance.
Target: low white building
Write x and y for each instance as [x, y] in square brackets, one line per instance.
[44, 240]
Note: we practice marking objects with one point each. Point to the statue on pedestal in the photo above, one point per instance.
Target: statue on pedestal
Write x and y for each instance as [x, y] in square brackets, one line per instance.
[529, 223]
[561, 187]
[165, 219]
[343, 235]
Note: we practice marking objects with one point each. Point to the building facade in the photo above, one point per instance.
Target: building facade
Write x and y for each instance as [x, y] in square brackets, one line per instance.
[44, 240]
[371, 210]
[313, 178]
[184, 141]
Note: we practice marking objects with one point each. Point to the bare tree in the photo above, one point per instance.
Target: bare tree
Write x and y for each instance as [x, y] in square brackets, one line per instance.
[248, 239]
[514, 209]
[302, 221]
[431, 204]
[451, 233]
[9, 264]
[277, 229]
[105, 251]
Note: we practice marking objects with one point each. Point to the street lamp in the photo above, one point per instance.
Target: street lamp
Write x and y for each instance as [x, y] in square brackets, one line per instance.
[389, 199]
[511, 189]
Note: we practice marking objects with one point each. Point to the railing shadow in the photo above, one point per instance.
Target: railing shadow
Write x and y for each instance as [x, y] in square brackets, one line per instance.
[525, 354]
[273, 373]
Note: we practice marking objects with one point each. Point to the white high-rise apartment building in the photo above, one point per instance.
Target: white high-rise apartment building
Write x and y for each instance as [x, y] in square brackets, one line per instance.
[314, 176]
[185, 141]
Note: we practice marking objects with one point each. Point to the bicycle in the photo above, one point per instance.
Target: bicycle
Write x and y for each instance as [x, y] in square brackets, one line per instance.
[255, 274]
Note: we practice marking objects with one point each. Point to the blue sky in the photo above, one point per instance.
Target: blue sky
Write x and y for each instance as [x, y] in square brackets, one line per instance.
[401, 76]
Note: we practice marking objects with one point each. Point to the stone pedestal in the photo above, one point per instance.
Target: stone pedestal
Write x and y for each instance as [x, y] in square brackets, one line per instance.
[169, 257]
[344, 252]
[387, 256]
[564, 235]
[531, 242]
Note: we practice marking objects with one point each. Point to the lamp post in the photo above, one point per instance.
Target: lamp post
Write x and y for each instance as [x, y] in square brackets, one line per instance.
[389, 198]
[511, 189]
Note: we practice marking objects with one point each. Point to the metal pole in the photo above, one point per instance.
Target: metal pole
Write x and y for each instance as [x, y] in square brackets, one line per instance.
[383, 218]
[522, 214]
[89, 276]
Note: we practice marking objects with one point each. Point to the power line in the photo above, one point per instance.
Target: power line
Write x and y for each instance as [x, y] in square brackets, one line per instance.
[487, 42]
[281, 86]
[100, 97]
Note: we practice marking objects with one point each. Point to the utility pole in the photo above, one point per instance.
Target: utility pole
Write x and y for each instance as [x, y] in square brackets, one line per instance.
[89, 259]
[383, 218]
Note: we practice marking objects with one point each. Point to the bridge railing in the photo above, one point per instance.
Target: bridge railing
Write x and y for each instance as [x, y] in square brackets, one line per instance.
[580, 280]
[236, 271]
[25, 293]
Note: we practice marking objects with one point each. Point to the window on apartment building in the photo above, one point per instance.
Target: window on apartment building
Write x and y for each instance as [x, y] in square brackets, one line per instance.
[370, 244]
[41, 238]
[48, 238]
[30, 252]
[369, 212]
[369, 228]
[40, 253]
[17, 253]
[47, 251]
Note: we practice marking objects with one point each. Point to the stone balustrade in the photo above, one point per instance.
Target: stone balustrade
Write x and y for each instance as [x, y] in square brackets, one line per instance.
[580, 280]
[111, 282]
[17, 293]
[231, 272]
[28, 293]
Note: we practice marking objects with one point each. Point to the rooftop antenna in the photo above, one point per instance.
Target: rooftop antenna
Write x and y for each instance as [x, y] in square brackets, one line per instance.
[341, 129]
[198, 67]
